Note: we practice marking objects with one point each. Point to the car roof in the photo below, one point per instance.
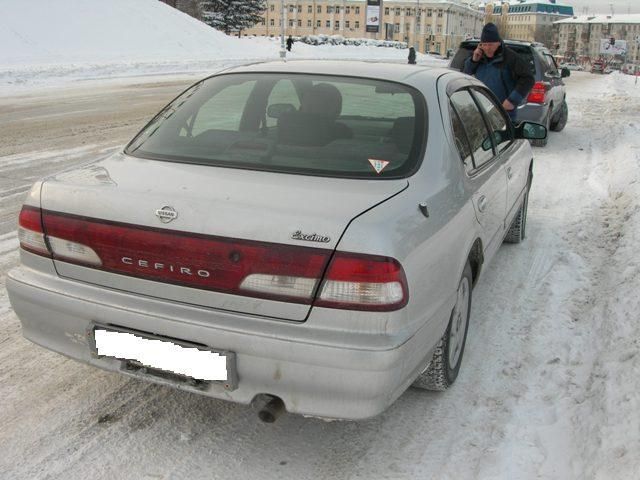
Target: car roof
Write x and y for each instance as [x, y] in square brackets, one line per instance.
[398, 72]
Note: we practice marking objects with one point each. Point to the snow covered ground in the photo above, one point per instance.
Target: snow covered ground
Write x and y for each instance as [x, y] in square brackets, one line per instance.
[46, 43]
[550, 380]
[549, 387]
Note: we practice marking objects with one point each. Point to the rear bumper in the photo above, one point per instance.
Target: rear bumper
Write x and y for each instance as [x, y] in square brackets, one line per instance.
[325, 380]
[532, 112]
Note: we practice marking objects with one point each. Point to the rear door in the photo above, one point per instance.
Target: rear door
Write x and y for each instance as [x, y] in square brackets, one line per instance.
[485, 169]
[511, 154]
[552, 76]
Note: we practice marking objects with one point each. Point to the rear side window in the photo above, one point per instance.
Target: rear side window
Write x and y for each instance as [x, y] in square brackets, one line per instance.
[311, 124]
[497, 122]
[474, 127]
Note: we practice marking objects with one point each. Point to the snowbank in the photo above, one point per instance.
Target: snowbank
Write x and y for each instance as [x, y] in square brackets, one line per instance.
[78, 31]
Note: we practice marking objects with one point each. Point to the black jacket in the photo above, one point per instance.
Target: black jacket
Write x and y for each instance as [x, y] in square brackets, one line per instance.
[507, 74]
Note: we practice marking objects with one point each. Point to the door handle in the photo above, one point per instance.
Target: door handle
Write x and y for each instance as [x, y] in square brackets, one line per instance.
[509, 173]
[482, 203]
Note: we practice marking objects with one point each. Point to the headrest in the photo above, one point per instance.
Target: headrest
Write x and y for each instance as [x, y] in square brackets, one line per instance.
[402, 133]
[322, 99]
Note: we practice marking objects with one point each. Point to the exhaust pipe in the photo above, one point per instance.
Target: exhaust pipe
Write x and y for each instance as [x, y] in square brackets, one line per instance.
[271, 407]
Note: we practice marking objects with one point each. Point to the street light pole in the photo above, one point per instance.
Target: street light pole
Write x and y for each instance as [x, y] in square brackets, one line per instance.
[283, 50]
[416, 42]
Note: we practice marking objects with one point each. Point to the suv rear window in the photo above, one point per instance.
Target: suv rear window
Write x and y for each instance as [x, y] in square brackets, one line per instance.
[296, 123]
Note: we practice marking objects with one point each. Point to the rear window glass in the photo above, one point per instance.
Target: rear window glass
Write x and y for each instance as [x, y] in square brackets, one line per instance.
[318, 125]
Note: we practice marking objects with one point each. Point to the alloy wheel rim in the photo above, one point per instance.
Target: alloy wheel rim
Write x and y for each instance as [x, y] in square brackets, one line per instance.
[459, 323]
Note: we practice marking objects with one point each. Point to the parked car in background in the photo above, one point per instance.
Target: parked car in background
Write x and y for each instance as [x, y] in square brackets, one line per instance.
[572, 66]
[608, 70]
[597, 67]
[309, 232]
[546, 103]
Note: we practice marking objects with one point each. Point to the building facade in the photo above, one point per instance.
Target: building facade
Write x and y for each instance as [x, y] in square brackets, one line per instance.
[430, 26]
[527, 20]
[579, 38]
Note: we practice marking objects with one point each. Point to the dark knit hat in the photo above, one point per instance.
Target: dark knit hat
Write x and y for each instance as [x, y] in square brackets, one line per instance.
[490, 33]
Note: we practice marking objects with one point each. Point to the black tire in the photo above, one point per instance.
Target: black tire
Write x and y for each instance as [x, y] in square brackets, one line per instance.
[561, 121]
[440, 374]
[518, 227]
[543, 142]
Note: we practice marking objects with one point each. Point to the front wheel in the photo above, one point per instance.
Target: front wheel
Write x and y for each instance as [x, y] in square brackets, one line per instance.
[445, 363]
[517, 229]
[563, 115]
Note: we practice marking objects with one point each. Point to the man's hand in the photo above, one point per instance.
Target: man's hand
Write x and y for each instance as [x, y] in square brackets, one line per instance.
[508, 106]
[477, 54]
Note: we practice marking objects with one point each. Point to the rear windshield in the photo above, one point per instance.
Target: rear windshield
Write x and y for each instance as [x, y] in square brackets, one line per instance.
[466, 50]
[317, 125]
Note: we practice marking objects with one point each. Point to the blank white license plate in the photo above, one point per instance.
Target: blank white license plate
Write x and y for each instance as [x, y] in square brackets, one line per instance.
[163, 355]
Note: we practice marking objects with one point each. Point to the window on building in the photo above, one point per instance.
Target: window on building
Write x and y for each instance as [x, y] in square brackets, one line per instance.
[328, 23]
[309, 23]
[319, 9]
[397, 11]
[262, 21]
[290, 8]
[319, 23]
[396, 28]
[429, 12]
[338, 9]
[346, 24]
[347, 10]
[272, 7]
[356, 24]
[386, 10]
[329, 9]
[310, 9]
[336, 25]
[299, 8]
[406, 27]
[440, 13]
[272, 22]
[357, 10]
[291, 23]
[299, 23]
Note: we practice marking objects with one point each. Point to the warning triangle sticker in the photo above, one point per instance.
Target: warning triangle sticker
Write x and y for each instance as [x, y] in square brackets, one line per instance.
[378, 165]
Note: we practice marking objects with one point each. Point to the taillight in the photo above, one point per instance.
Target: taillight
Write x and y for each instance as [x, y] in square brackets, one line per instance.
[538, 93]
[30, 231]
[364, 282]
[287, 273]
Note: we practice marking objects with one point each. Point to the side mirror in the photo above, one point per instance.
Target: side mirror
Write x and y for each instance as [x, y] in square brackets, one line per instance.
[276, 110]
[565, 72]
[531, 131]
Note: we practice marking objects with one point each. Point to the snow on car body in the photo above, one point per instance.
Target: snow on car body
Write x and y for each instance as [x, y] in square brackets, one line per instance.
[318, 225]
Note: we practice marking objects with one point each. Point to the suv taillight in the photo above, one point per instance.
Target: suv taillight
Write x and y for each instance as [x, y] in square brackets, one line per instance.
[287, 273]
[538, 93]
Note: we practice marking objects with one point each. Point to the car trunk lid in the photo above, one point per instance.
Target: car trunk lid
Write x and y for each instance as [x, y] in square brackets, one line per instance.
[238, 240]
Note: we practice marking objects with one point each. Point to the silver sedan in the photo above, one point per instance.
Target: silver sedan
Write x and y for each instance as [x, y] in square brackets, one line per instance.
[303, 235]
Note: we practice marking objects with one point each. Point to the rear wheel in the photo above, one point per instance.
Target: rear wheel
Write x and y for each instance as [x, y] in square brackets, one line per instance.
[445, 363]
[547, 121]
[563, 115]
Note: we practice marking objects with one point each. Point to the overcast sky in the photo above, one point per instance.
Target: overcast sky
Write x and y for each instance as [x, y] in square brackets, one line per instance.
[603, 6]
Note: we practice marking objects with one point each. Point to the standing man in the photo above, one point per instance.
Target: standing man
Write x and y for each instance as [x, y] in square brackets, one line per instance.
[501, 69]
[412, 56]
[289, 43]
